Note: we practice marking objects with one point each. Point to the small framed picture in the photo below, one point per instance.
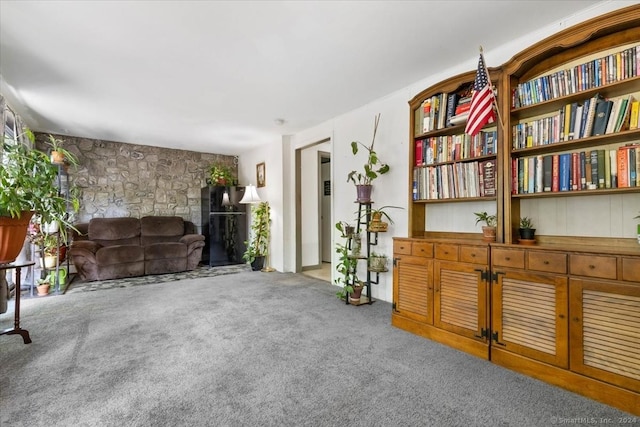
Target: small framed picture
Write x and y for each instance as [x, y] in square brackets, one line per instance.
[261, 174]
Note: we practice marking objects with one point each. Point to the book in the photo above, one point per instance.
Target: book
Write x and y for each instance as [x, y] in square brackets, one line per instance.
[613, 159]
[574, 180]
[613, 115]
[419, 148]
[603, 111]
[546, 173]
[583, 171]
[576, 120]
[587, 170]
[601, 169]
[594, 169]
[591, 113]
[633, 115]
[568, 119]
[489, 173]
[452, 102]
[632, 167]
[607, 169]
[555, 172]
[623, 167]
[565, 171]
[622, 122]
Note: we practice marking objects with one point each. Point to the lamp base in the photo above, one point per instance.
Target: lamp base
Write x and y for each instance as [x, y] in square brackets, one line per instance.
[268, 270]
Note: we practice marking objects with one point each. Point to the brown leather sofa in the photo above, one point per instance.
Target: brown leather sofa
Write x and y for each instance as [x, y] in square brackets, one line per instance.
[110, 248]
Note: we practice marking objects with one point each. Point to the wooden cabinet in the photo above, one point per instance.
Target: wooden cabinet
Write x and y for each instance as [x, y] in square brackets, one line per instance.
[413, 279]
[530, 309]
[566, 309]
[441, 292]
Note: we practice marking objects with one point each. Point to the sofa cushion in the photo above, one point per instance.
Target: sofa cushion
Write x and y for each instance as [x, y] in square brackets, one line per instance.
[115, 231]
[120, 254]
[166, 250]
[157, 229]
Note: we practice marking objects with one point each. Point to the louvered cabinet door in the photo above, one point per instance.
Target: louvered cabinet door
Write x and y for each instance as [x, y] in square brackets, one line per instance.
[413, 288]
[605, 331]
[460, 299]
[530, 316]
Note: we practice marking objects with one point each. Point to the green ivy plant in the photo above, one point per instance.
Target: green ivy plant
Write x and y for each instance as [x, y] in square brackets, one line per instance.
[346, 267]
[258, 245]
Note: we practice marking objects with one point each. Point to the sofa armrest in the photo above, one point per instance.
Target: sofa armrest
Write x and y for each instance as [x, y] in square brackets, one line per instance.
[85, 245]
[188, 239]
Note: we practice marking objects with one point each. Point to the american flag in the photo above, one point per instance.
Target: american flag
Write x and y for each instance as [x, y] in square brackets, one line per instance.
[481, 111]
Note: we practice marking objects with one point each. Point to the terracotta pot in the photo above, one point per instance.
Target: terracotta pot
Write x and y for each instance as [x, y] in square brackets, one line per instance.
[356, 294]
[13, 231]
[43, 289]
[57, 157]
[488, 234]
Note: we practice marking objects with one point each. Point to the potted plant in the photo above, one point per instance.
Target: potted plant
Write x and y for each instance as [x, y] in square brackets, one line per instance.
[377, 224]
[27, 186]
[638, 228]
[378, 262]
[351, 285]
[526, 230]
[59, 154]
[258, 245]
[489, 229]
[346, 230]
[372, 168]
[220, 174]
[43, 286]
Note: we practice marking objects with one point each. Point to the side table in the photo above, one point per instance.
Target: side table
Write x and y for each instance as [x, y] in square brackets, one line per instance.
[16, 320]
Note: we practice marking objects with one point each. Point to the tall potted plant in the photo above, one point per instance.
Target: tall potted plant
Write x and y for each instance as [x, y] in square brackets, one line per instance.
[258, 245]
[372, 168]
[489, 229]
[27, 186]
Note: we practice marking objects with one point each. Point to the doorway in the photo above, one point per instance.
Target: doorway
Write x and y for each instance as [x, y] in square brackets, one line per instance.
[313, 210]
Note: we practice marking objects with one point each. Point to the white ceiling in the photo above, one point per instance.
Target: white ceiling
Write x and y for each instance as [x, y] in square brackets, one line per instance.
[213, 76]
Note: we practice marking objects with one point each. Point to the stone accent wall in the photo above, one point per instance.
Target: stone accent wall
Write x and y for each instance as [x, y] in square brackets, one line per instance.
[127, 180]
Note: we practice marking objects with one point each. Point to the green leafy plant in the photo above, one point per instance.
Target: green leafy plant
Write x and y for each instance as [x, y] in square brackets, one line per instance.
[346, 267]
[373, 167]
[220, 173]
[258, 245]
[28, 183]
[489, 220]
[526, 222]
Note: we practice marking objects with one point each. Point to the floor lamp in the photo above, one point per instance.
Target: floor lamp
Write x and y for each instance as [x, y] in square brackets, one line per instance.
[251, 197]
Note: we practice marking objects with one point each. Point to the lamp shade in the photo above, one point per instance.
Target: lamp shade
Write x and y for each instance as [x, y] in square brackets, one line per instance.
[250, 195]
[225, 199]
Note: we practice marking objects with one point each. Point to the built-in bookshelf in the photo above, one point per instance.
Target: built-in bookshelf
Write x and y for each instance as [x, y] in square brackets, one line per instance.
[449, 165]
[563, 308]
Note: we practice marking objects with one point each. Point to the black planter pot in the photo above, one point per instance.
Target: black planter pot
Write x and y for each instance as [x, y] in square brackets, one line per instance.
[527, 233]
[258, 263]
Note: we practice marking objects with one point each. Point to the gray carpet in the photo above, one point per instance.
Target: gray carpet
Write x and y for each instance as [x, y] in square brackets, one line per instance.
[252, 349]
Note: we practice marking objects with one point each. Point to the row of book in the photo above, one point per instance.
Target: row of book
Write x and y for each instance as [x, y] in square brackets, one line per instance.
[455, 181]
[609, 69]
[577, 171]
[450, 148]
[442, 110]
[591, 117]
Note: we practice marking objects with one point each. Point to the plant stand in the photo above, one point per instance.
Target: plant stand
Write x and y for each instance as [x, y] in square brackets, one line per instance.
[364, 218]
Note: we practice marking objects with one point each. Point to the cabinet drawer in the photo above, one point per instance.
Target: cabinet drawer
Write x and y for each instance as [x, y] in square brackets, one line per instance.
[423, 249]
[446, 251]
[402, 247]
[550, 262]
[508, 258]
[631, 269]
[474, 254]
[603, 267]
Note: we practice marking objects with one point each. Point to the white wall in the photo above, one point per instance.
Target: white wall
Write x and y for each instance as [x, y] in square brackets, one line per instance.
[271, 154]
